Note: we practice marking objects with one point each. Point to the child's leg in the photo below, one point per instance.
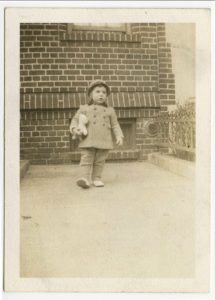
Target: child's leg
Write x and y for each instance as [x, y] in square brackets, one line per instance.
[99, 162]
[86, 163]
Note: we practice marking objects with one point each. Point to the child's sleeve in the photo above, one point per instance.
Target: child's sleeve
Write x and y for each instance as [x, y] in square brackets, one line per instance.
[115, 125]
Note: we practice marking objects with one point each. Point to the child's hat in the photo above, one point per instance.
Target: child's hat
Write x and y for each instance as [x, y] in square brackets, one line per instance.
[96, 83]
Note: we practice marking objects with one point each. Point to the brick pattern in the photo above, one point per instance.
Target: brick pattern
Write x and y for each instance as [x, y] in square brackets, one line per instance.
[65, 100]
[98, 36]
[68, 114]
[166, 77]
[45, 136]
[56, 68]
[50, 64]
[145, 144]
[42, 139]
[47, 141]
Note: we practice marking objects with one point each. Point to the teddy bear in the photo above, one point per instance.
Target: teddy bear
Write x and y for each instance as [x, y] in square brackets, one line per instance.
[81, 129]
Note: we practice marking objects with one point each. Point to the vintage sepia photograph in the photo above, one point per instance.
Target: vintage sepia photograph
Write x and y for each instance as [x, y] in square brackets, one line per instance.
[108, 161]
[133, 192]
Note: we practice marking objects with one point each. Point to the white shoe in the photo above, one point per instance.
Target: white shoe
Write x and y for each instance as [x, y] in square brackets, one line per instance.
[98, 183]
[83, 182]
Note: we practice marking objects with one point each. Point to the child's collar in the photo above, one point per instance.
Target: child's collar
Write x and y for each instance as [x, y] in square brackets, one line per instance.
[102, 104]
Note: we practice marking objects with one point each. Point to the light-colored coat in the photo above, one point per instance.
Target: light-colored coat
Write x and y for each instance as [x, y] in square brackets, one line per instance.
[102, 122]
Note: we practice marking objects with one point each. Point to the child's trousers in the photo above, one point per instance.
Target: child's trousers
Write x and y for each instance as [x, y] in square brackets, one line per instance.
[92, 162]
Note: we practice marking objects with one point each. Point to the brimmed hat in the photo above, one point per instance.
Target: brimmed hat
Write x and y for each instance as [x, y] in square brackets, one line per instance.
[96, 83]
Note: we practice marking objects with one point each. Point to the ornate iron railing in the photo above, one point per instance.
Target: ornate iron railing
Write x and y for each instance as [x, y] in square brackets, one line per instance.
[176, 132]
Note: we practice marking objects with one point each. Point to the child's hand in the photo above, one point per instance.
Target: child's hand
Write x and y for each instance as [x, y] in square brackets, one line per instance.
[71, 130]
[119, 141]
[77, 131]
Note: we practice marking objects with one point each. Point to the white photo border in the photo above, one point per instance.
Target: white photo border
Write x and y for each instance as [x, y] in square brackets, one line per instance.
[12, 281]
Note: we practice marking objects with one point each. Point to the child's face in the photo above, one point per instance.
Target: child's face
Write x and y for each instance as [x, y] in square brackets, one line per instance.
[99, 94]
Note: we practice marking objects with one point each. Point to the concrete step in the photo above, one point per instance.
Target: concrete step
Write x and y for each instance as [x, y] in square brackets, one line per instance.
[24, 165]
[176, 165]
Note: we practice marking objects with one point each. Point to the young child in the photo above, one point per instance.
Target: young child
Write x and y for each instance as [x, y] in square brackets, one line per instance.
[95, 146]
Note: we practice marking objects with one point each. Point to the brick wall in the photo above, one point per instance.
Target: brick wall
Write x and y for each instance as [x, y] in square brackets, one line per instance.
[56, 67]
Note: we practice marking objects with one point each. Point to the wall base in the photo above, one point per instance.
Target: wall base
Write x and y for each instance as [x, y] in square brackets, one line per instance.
[24, 165]
[172, 164]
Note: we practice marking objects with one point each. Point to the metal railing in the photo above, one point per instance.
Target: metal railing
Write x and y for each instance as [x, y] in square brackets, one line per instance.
[176, 132]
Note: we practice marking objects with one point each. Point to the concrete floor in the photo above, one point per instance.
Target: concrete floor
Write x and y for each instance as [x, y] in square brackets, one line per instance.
[141, 224]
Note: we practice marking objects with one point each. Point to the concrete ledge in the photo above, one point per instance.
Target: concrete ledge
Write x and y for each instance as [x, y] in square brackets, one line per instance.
[176, 165]
[24, 165]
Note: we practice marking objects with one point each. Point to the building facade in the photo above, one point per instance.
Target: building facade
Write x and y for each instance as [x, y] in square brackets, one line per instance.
[57, 63]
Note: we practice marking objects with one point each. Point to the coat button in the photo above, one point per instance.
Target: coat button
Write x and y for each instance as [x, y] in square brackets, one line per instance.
[94, 116]
[103, 124]
[94, 122]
